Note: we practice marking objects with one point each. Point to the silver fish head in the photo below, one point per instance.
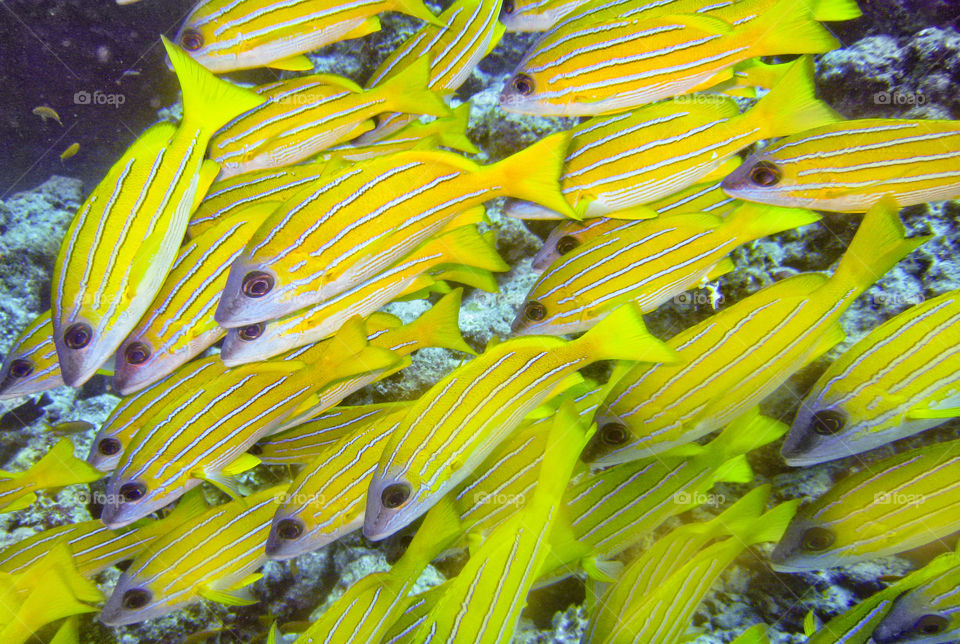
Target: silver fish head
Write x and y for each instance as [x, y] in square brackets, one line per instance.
[913, 619]
[132, 601]
[818, 434]
[806, 545]
[762, 178]
[522, 96]
[291, 535]
[613, 443]
[250, 343]
[19, 377]
[129, 499]
[392, 504]
[557, 244]
[253, 293]
[82, 348]
[133, 366]
[106, 450]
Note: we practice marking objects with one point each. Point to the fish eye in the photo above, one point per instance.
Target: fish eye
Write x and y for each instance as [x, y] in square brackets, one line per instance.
[191, 39]
[21, 368]
[250, 332]
[614, 434]
[566, 244]
[136, 353]
[78, 335]
[534, 311]
[817, 539]
[930, 624]
[765, 174]
[257, 284]
[523, 84]
[289, 529]
[109, 446]
[393, 496]
[132, 492]
[507, 7]
[828, 422]
[136, 598]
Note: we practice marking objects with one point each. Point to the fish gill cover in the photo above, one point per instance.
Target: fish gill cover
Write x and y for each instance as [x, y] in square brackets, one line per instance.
[590, 320]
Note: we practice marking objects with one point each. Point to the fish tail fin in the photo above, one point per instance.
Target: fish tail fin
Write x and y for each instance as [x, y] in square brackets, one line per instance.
[740, 516]
[60, 467]
[753, 221]
[747, 432]
[792, 106]
[417, 9]
[734, 470]
[785, 29]
[836, 10]
[533, 174]
[440, 325]
[879, 244]
[622, 335]
[455, 136]
[409, 91]
[468, 276]
[769, 526]
[467, 247]
[208, 101]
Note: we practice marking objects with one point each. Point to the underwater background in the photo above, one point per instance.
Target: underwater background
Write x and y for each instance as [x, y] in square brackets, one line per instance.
[101, 67]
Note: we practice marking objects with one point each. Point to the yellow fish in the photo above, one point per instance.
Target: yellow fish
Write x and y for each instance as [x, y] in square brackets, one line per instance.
[734, 359]
[124, 239]
[617, 162]
[224, 35]
[852, 165]
[261, 341]
[179, 323]
[470, 31]
[212, 556]
[354, 224]
[31, 365]
[71, 150]
[647, 263]
[897, 504]
[609, 64]
[898, 380]
[453, 427]
[307, 114]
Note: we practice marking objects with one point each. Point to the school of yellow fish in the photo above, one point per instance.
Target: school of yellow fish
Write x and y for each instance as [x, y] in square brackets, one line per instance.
[280, 219]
